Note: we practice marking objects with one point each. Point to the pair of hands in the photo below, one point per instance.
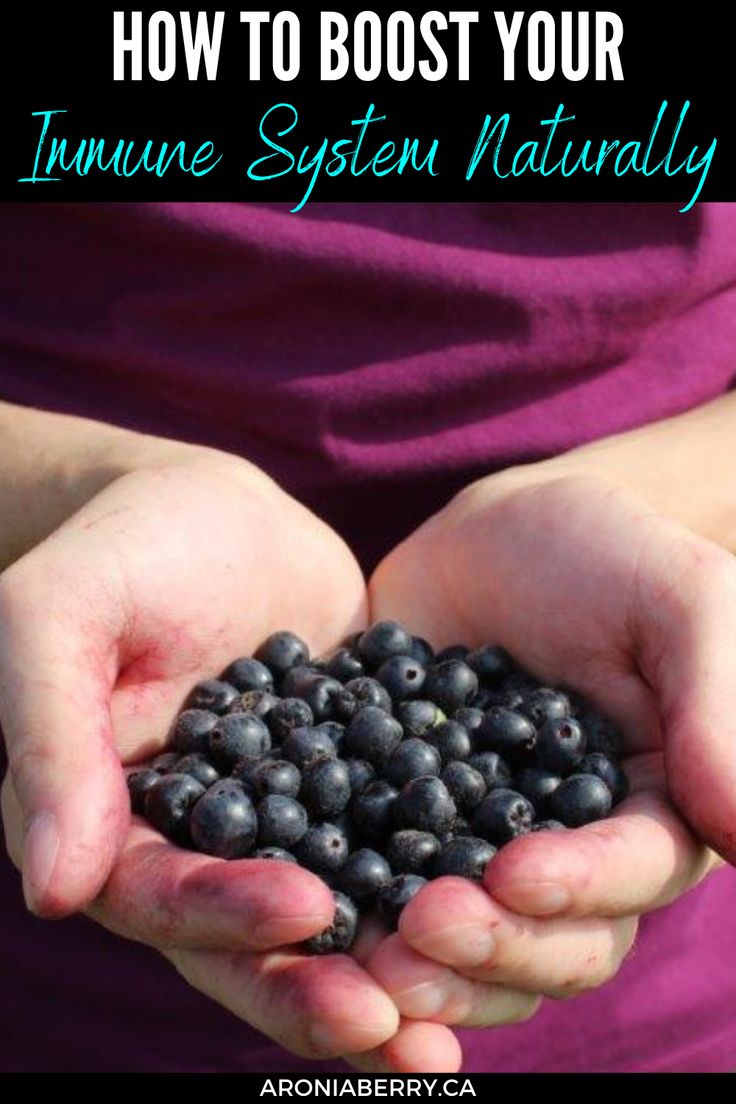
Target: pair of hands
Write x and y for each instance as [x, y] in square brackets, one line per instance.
[171, 571]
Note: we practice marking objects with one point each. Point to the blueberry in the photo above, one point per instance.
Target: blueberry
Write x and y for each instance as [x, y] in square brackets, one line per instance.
[168, 804]
[561, 745]
[508, 733]
[580, 799]
[465, 785]
[601, 735]
[259, 702]
[282, 821]
[418, 717]
[452, 651]
[360, 692]
[401, 676]
[372, 810]
[451, 685]
[139, 783]
[192, 730]
[274, 853]
[464, 857]
[537, 785]
[236, 735]
[383, 640]
[373, 734]
[344, 666]
[424, 803]
[199, 767]
[223, 822]
[323, 849]
[335, 731]
[243, 770]
[610, 771]
[288, 714]
[547, 826]
[451, 740]
[460, 827]
[296, 679]
[213, 695]
[361, 774]
[411, 852]
[421, 651]
[320, 694]
[469, 717]
[491, 665]
[412, 759]
[325, 788]
[275, 776]
[248, 674]
[502, 816]
[282, 651]
[493, 769]
[545, 704]
[306, 745]
[165, 762]
[364, 875]
[341, 932]
[396, 896]
[483, 700]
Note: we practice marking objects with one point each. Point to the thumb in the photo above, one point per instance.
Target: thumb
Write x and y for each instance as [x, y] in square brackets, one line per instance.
[694, 674]
[57, 666]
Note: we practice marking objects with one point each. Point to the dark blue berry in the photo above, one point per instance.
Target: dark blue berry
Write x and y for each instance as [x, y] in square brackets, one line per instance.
[359, 693]
[192, 730]
[463, 857]
[288, 714]
[364, 875]
[402, 677]
[213, 695]
[199, 767]
[493, 769]
[537, 785]
[545, 704]
[259, 702]
[306, 745]
[452, 651]
[139, 783]
[372, 810]
[344, 666]
[238, 735]
[169, 802]
[601, 735]
[421, 651]
[296, 679]
[561, 745]
[248, 674]
[274, 853]
[580, 799]
[320, 694]
[418, 717]
[336, 732]
[610, 771]
[282, 821]
[465, 785]
[165, 762]
[424, 803]
[451, 685]
[502, 816]
[341, 932]
[412, 759]
[361, 774]
[510, 734]
[282, 651]
[381, 641]
[325, 788]
[547, 826]
[469, 717]
[393, 899]
[491, 665]
[451, 739]
[223, 822]
[373, 735]
[412, 852]
[323, 849]
[275, 776]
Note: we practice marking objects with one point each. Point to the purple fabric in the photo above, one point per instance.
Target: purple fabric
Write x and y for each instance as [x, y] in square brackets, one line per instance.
[349, 350]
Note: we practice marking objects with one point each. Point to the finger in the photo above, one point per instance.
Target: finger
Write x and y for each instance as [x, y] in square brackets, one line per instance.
[423, 989]
[56, 671]
[637, 860]
[457, 924]
[315, 1006]
[415, 1048]
[165, 896]
[689, 659]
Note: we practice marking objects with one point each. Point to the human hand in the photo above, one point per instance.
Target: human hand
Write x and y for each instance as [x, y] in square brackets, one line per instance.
[587, 587]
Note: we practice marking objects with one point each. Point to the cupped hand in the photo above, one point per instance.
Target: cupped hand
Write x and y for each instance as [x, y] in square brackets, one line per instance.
[157, 582]
[588, 588]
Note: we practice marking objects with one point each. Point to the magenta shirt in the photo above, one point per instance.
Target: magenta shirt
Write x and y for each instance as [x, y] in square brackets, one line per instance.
[349, 350]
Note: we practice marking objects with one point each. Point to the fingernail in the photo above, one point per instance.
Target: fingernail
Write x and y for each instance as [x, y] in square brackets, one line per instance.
[462, 946]
[534, 898]
[422, 1001]
[289, 929]
[40, 851]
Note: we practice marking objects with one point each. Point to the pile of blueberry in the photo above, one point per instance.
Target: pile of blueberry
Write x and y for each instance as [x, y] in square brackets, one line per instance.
[377, 768]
